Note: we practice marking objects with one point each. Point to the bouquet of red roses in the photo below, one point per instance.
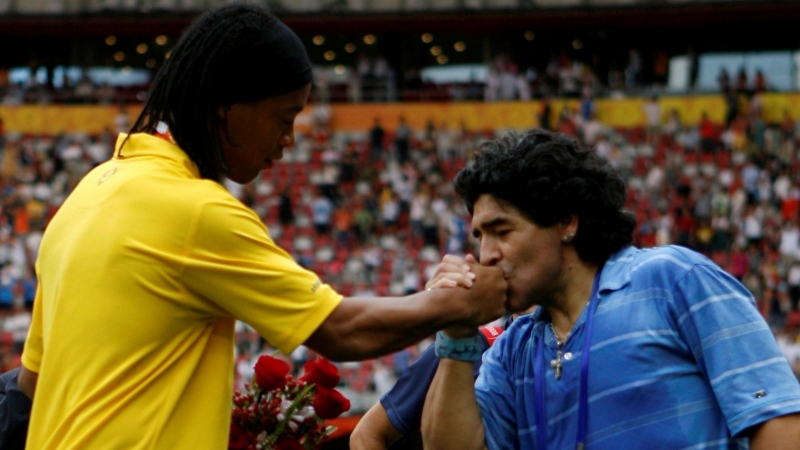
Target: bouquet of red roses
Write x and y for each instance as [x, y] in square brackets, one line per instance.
[277, 412]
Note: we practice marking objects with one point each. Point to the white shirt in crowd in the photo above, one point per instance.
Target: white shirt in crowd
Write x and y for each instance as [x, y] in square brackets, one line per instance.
[790, 241]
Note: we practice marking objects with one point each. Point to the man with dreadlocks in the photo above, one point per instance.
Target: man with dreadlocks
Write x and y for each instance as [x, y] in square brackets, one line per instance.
[149, 262]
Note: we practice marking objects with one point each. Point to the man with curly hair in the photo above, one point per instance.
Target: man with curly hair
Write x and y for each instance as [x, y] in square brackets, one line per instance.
[631, 348]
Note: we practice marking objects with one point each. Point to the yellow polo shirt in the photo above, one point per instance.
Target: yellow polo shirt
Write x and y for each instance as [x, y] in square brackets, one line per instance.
[142, 273]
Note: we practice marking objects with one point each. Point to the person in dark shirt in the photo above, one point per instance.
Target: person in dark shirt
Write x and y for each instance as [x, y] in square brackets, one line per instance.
[15, 410]
[376, 135]
[394, 422]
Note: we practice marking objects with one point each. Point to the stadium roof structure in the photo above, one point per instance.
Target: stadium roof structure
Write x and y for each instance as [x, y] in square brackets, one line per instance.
[76, 22]
[531, 32]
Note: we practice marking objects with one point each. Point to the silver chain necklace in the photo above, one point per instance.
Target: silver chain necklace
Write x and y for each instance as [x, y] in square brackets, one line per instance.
[556, 363]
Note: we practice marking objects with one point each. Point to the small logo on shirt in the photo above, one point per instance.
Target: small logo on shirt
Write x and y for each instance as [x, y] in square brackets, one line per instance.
[315, 286]
[109, 173]
[491, 333]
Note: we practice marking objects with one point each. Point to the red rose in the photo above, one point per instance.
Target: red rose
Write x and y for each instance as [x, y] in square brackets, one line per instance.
[271, 373]
[289, 444]
[238, 438]
[321, 372]
[329, 403]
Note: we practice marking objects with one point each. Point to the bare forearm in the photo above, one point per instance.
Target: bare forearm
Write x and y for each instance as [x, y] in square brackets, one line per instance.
[374, 431]
[367, 441]
[780, 433]
[362, 328]
[451, 417]
[27, 381]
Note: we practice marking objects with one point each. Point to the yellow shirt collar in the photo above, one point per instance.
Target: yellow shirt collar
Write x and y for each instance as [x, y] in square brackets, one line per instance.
[143, 144]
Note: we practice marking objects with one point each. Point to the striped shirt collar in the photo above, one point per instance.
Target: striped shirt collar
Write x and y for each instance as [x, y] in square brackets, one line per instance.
[616, 271]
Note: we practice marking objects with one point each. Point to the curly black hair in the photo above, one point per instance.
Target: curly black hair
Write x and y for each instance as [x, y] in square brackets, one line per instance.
[185, 92]
[548, 177]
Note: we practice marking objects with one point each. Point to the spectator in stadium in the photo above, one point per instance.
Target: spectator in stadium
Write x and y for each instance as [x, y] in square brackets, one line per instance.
[146, 265]
[741, 81]
[285, 209]
[545, 111]
[676, 343]
[402, 137]
[724, 80]
[652, 112]
[760, 82]
[322, 209]
[376, 136]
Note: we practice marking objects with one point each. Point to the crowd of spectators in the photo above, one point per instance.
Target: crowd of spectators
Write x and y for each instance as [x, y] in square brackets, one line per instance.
[83, 90]
[373, 79]
[374, 211]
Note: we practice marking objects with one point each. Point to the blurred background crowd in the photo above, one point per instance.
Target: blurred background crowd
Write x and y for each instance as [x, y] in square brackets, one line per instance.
[371, 207]
[373, 212]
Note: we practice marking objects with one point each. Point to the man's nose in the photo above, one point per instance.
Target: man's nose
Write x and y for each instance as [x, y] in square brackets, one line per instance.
[489, 253]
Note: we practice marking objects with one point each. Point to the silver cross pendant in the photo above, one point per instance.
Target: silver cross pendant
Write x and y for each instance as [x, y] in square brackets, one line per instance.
[556, 365]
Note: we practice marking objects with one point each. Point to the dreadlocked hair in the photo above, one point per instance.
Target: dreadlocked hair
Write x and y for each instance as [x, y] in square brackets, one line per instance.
[184, 92]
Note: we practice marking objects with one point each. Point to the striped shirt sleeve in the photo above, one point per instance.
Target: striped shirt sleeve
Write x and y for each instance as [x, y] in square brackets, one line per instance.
[734, 348]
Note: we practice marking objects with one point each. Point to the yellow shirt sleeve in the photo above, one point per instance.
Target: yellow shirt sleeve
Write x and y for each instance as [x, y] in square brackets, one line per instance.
[232, 262]
[32, 353]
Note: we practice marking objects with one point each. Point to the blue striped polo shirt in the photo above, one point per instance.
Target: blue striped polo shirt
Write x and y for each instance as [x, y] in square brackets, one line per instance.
[680, 359]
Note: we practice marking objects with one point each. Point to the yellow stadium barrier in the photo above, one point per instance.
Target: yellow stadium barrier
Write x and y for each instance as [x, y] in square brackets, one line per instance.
[619, 113]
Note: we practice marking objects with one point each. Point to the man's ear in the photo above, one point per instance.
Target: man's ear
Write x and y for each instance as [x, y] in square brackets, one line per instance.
[569, 225]
[222, 113]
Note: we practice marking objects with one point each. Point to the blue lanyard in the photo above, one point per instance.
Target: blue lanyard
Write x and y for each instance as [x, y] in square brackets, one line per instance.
[538, 374]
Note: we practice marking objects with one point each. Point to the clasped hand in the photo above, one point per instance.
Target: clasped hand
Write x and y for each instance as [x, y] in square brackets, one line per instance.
[482, 289]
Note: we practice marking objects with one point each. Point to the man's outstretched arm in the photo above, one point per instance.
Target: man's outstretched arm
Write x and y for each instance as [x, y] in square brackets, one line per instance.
[361, 328]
